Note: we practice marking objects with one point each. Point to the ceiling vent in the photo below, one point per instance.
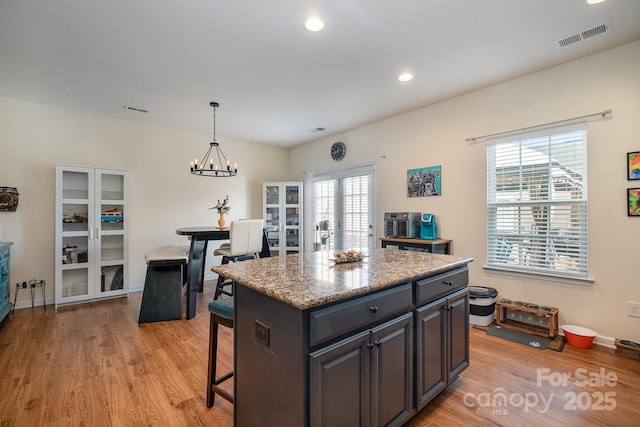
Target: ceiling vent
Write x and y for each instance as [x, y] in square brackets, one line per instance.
[584, 35]
[141, 110]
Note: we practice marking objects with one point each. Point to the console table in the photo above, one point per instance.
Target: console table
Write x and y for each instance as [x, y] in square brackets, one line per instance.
[432, 246]
[5, 304]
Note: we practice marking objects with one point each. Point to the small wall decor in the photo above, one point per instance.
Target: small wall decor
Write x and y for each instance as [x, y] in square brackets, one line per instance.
[423, 182]
[633, 201]
[9, 198]
[633, 165]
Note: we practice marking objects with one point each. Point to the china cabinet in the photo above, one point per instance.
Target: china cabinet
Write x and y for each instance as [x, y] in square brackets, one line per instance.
[282, 212]
[91, 248]
[5, 304]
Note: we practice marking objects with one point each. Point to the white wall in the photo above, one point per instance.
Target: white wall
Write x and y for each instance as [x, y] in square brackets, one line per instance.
[435, 135]
[163, 195]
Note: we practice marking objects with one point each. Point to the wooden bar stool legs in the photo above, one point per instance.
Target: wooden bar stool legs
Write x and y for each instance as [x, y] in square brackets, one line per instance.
[222, 313]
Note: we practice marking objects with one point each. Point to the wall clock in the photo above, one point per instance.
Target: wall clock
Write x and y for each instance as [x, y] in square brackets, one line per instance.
[338, 150]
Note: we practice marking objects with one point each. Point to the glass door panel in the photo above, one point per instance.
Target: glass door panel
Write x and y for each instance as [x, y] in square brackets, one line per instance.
[75, 250]
[112, 186]
[292, 195]
[111, 217]
[112, 248]
[293, 239]
[272, 195]
[75, 283]
[75, 185]
[293, 218]
[75, 217]
[111, 278]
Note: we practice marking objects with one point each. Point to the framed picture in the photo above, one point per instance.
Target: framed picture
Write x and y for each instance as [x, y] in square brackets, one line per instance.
[633, 201]
[633, 165]
[424, 182]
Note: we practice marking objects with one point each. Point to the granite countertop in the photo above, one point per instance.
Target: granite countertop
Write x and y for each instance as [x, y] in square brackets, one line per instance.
[312, 279]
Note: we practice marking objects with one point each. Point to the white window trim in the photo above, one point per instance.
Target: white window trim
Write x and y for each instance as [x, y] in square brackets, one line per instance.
[579, 278]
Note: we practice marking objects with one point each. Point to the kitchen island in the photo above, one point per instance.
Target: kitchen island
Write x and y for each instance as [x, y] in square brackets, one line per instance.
[365, 343]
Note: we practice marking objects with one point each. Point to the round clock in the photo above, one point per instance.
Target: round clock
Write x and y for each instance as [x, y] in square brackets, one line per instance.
[338, 150]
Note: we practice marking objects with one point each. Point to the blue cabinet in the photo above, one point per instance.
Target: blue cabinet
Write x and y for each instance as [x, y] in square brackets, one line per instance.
[5, 304]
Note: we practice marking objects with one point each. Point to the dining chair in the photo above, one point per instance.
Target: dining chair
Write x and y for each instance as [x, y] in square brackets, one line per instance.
[245, 238]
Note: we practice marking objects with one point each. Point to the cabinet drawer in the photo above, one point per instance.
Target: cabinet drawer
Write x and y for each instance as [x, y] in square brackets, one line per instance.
[433, 287]
[331, 322]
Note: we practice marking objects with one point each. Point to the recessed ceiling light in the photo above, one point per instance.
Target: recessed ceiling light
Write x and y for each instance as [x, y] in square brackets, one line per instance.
[594, 1]
[314, 24]
[405, 77]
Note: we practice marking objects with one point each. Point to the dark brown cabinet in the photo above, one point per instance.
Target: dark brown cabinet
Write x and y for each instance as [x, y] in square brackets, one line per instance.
[366, 379]
[442, 352]
[371, 360]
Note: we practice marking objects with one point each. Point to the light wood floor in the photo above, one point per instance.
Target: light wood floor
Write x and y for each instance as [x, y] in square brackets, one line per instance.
[93, 365]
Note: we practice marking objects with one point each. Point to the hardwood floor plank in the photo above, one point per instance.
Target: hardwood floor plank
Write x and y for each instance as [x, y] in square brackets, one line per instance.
[93, 365]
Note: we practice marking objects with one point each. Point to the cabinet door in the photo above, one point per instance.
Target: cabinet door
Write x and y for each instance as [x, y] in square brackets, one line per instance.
[392, 372]
[282, 213]
[272, 212]
[431, 371]
[75, 234]
[292, 202]
[458, 336]
[111, 233]
[340, 381]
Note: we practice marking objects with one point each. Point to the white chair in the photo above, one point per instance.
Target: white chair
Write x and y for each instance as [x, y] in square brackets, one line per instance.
[245, 238]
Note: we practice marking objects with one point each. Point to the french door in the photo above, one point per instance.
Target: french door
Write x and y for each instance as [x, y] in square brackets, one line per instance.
[342, 211]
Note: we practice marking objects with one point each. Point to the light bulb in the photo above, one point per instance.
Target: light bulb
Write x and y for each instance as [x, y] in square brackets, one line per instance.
[314, 24]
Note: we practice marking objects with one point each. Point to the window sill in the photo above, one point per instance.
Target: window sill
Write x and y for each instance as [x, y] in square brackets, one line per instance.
[573, 280]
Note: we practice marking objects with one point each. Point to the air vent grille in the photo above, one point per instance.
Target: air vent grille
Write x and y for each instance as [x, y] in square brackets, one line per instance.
[141, 110]
[584, 34]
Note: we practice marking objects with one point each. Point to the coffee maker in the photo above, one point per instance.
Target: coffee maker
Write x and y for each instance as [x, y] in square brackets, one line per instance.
[428, 227]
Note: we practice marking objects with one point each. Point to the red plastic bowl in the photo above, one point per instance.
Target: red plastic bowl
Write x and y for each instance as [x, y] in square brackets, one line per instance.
[578, 336]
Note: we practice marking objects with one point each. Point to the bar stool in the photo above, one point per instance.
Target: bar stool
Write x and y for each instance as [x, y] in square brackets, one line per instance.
[245, 243]
[222, 313]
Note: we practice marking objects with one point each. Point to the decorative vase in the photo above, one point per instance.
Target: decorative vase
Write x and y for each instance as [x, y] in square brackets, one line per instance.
[221, 220]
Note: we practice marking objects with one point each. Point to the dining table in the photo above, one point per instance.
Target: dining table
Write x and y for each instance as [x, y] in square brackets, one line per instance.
[200, 237]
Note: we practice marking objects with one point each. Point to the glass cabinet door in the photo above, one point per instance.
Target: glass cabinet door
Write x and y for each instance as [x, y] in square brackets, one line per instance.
[112, 229]
[74, 248]
[283, 216]
[292, 221]
[272, 216]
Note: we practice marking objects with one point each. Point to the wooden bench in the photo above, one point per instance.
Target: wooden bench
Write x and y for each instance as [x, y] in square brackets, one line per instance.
[164, 284]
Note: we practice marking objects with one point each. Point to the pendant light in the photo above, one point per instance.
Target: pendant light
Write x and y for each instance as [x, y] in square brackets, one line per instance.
[214, 163]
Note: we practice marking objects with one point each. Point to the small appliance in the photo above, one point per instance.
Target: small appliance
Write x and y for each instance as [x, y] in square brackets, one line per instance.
[402, 224]
[428, 227]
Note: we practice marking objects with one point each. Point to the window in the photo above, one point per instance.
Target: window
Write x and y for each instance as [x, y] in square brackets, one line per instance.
[537, 202]
[343, 198]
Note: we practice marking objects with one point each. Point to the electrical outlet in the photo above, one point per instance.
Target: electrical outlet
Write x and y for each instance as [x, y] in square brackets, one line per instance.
[262, 332]
[633, 309]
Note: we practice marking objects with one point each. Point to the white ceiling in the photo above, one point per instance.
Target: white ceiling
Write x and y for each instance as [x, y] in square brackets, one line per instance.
[275, 81]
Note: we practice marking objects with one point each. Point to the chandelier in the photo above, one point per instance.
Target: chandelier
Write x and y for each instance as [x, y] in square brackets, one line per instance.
[214, 163]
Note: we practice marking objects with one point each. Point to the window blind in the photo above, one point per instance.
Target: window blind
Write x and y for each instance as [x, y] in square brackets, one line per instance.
[537, 201]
